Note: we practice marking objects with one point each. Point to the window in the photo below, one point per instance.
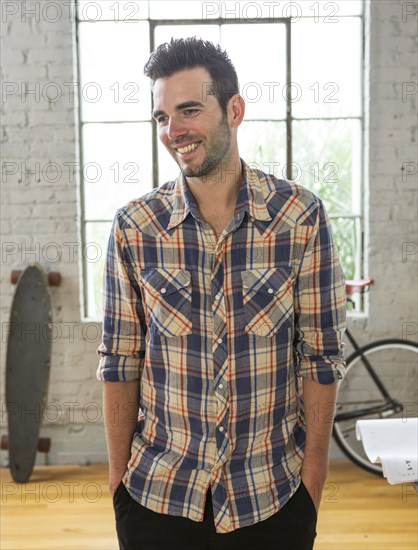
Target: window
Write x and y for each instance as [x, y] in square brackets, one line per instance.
[300, 71]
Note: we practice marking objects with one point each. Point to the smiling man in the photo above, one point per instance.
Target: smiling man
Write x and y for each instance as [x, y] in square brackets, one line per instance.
[224, 311]
[195, 126]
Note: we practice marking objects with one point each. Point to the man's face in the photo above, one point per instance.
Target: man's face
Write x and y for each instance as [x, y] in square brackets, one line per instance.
[191, 123]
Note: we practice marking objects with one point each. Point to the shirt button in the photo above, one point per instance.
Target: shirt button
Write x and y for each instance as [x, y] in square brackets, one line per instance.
[220, 386]
[163, 290]
[221, 428]
[270, 291]
[220, 341]
[218, 296]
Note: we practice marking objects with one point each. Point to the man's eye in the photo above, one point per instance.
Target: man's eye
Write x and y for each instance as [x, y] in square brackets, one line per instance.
[161, 119]
[190, 111]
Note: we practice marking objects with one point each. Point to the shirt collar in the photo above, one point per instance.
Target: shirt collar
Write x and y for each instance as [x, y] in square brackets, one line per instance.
[251, 198]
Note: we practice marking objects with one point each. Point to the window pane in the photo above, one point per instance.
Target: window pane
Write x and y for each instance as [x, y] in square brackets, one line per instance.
[97, 236]
[120, 169]
[327, 159]
[331, 11]
[112, 57]
[326, 68]
[256, 10]
[121, 10]
[168, 169]
[261, 75]
[263, 146]
[346, 232]
[183, 9]
[163, 33]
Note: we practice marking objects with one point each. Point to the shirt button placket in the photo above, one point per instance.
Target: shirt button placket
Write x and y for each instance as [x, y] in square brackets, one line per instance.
[220, 353]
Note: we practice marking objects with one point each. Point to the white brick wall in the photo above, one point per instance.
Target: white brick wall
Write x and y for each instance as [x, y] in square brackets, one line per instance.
[35, 213]
[39, 56]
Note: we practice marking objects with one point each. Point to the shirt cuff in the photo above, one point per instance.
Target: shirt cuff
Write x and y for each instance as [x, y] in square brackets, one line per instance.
[321, 357]
[321, 369]
[118, 368]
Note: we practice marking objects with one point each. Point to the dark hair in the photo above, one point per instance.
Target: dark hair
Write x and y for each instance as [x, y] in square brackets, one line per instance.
[188, 53]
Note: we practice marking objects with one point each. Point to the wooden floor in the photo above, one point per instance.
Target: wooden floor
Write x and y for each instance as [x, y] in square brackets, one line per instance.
[69, 508]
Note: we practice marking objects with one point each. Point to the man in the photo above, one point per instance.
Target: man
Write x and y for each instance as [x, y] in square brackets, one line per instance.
[224, 311]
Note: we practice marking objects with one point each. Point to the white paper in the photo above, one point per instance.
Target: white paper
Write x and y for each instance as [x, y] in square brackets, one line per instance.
[392, 442]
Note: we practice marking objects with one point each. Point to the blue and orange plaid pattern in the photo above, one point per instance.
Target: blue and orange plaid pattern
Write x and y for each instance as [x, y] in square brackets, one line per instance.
[220, 333]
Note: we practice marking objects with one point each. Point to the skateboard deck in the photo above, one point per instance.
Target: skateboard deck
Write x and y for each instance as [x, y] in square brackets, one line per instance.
[28, 362]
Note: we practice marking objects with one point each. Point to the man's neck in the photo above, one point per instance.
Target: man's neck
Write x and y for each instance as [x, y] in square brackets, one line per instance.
[218, 190]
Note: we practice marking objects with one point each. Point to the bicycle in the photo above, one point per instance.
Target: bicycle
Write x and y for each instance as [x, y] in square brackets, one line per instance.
[380, 382]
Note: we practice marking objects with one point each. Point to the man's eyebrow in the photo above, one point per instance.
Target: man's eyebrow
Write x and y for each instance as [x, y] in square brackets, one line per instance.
[181, 106]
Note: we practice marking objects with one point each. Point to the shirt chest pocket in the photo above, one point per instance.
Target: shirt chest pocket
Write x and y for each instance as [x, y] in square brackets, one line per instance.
[267, 300]
[168, 299]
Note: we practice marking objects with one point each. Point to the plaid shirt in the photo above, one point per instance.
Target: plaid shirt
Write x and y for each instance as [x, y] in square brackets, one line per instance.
[220, 333]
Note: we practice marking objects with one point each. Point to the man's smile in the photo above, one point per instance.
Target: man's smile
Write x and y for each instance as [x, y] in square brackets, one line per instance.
[185, 149]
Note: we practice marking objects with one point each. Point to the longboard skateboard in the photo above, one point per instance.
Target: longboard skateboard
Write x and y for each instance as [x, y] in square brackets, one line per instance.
[28, 362]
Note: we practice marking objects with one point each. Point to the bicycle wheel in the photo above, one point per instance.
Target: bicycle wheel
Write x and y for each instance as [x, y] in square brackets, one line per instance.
[395, 363]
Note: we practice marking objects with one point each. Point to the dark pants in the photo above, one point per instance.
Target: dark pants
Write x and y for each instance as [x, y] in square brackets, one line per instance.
[138, 528]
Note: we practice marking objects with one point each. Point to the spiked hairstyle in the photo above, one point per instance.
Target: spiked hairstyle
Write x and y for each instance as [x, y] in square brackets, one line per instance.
[187, 53]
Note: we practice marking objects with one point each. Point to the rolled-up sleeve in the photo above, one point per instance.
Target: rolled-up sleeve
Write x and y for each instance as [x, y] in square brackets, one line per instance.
[320, 307]
[122, 349]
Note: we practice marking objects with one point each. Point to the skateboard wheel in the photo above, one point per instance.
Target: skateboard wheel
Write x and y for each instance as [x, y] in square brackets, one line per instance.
[44, 444]
[54, 278]
[14, 276]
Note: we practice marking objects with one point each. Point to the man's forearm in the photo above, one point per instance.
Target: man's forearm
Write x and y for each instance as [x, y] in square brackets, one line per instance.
[120, 406]
[319, 403]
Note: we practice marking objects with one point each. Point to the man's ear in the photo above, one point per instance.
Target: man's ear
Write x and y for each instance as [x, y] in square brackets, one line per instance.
[236, 110]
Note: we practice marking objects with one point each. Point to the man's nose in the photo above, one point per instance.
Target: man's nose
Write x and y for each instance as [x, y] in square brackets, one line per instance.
[176, 128]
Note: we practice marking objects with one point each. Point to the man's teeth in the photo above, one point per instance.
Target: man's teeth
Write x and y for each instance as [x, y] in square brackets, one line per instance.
[187, 149]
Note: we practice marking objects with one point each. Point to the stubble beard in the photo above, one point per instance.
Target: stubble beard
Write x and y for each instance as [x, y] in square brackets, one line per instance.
[218, 150]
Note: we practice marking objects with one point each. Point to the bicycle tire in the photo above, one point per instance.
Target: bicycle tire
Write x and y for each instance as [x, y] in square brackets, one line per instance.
[401, 389]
